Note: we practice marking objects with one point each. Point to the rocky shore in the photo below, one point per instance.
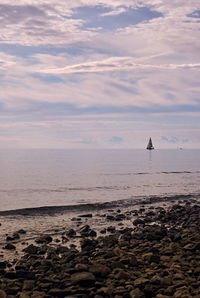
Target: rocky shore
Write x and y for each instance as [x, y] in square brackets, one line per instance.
[157, 255]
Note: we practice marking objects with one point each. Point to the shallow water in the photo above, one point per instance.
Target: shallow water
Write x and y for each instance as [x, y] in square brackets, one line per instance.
[40, 177]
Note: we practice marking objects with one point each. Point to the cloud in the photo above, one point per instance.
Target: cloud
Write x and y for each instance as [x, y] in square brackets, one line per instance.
[38, 25]
[6, 61]
[52, 22]
[114, 12]
[136, 76]
[116, 63]
[116, 140]
[174, 140]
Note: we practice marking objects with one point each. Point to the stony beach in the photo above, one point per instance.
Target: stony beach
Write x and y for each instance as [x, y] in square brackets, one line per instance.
[148, 250]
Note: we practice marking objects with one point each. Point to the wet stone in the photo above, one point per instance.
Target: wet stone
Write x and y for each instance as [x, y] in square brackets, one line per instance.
[86, 215]
[138, 221]
[3, 264]
[28, 285]
[2, 294]
[44, 239]
[111, 229]
[31, 249]
[156, 259]
[59, 292]
[21, 231]
[92, 233]
[140, 282]
[99, 270]
[83, 278]
[10, 246]
[71, 233]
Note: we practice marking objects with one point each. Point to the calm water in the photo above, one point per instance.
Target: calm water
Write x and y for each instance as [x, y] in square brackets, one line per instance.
[34, 178]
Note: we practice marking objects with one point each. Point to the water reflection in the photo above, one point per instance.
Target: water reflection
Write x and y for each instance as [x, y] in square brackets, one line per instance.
[150, 160]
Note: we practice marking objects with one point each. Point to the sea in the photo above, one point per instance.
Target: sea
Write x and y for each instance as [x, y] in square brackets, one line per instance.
[31, 178]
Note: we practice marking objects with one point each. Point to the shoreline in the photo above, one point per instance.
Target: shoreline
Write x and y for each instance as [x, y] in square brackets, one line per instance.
[53, 210]
[148, 251]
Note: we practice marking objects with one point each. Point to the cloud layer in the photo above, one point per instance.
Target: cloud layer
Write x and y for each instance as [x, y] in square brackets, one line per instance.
[122, 63]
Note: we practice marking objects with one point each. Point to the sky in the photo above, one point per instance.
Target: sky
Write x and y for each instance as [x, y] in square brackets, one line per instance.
[99, 73]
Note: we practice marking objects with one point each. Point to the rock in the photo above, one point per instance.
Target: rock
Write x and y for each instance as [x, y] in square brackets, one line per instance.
[81, 267]
[23, 295]
[137, 293]
[86, 215]
[21, 231]
[103, 231]
[110, 217]
[150, 257]
[92, 233]
[76, 219]
[2, 294]
[38, 294]
[155, 280]
[87, 244]
[122, 275]
[24, 274]
[140, 282]
[31, 249]
[83, 278]
[44, 239]
[182, 293]
[59, 292]
[9, 238]
[28, 285]
[16, 236]
[111, 229]
[105, 291]
[99, 270]
[117, 251]
[71, 233]
[3, 264]
[10, 246]
[159, 258]
[12, 289]
[155, 233]
[84, 231]
[138, 221]
[119, 217]
[62, 249]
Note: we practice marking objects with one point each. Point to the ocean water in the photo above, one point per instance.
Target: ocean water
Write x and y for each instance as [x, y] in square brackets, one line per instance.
[41, 177]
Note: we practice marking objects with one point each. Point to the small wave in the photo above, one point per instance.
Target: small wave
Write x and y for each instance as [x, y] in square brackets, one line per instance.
[150, 173]
[63, 189]
[131, 202]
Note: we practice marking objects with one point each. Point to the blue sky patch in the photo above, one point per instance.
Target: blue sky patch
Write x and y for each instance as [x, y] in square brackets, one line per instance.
[195, 14]
[116, 140]
[94, 17]
[48, 78]
[28, 51]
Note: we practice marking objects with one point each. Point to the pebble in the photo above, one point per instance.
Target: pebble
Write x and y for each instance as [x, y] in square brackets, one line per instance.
[157, 257]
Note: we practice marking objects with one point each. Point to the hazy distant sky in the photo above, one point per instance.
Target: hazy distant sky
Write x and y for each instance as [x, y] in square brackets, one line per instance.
[99, 73]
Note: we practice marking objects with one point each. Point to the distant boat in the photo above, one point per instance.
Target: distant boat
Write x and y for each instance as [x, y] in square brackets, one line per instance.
[150, 145]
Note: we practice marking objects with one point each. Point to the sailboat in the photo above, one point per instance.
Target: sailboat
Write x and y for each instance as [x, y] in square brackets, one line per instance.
[150, 145]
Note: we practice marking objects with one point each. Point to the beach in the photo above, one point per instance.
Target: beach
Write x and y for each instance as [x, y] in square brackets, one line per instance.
[99, 149]
[119, 249]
